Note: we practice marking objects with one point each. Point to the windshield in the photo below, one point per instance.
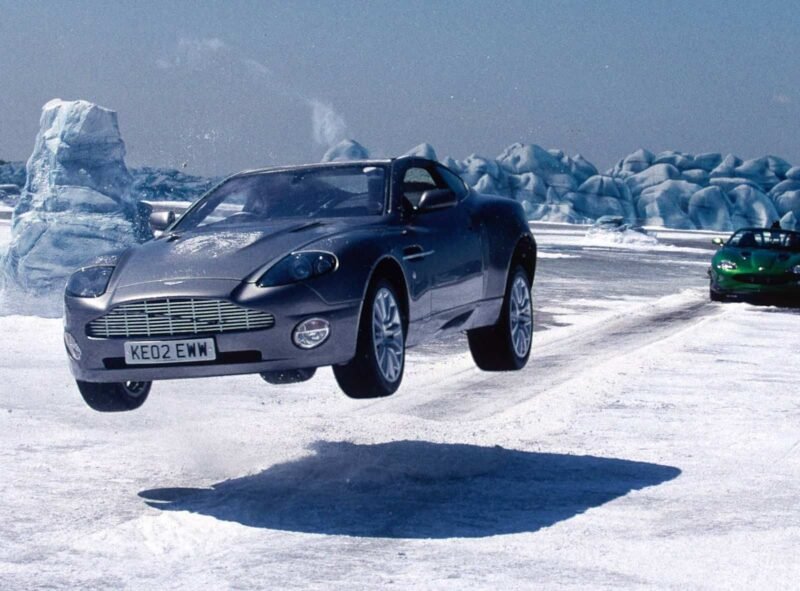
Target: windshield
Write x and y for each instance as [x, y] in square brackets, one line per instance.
[311, 193]
[770, 239]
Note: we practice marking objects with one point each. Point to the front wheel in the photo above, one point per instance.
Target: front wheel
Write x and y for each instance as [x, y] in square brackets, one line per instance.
[377, 368]
[714, 296]
[506, 346]
[114, 396]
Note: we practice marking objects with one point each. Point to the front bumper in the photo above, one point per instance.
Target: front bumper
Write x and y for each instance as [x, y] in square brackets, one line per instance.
[243, 352]
[746, 286]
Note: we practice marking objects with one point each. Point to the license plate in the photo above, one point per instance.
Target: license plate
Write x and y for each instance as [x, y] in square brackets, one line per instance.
[153, 352]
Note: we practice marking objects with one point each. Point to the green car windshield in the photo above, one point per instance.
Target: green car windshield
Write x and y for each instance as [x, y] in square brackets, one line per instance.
[767, 239]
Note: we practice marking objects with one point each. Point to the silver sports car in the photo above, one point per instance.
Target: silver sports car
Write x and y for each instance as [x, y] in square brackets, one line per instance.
[284, 270]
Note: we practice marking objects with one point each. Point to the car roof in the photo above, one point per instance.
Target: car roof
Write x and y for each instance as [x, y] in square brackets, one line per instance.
[315, 165]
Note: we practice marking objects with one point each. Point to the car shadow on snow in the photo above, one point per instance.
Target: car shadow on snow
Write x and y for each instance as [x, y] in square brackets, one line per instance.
[416, 489]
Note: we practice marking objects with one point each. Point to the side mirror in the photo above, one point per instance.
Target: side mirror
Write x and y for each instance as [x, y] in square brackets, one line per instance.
[434, 199]
[717, 241]
[160, 221]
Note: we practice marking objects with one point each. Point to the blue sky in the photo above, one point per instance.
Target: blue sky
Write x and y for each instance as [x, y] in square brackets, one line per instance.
[221, 86]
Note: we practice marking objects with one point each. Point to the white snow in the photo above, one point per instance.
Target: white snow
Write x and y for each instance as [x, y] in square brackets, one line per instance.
[626, 237]
[652, 442]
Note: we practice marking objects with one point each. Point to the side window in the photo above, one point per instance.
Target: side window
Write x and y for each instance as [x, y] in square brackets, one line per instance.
[453, 181]
[416, 181]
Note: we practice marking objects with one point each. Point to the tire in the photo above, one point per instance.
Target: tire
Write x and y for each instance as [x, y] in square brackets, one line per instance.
[506, 346]
[114, 396]
[377, 368]
[715, 296]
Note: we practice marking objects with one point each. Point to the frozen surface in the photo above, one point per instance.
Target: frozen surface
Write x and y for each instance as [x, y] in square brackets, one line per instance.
[607, 463]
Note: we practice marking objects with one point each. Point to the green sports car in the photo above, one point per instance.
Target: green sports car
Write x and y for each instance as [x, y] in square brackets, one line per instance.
[757, 263]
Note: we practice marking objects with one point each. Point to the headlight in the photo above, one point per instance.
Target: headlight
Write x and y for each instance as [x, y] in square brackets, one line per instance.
[796, 270]
[727, 265]
[298, 266]
[89, 282]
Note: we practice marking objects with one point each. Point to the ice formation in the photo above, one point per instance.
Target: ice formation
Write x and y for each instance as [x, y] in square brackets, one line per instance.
[164, 184]
[76, 202]
[12, 173]
[672, 189]
[346, 150]
[76, 198]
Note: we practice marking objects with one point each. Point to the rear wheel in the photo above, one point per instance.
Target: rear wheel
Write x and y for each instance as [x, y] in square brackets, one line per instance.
[377, 368]
[506, 346]
[114, 396]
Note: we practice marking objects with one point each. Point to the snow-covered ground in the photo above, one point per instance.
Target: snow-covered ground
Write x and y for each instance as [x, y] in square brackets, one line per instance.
[652, 441]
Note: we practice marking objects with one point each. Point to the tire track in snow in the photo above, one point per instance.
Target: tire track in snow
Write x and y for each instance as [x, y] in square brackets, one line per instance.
[466, 393]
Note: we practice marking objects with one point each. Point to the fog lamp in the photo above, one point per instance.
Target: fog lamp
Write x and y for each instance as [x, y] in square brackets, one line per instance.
[311, 333]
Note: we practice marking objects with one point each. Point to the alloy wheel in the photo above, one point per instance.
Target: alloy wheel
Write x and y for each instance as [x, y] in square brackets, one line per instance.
[521, 316]
[387, 335]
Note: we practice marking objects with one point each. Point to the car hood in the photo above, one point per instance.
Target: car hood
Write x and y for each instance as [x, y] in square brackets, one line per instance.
[230, 253]
[760, 260]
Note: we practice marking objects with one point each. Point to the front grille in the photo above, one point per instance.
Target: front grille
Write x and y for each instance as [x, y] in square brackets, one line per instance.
[756, 279]
[177, 317]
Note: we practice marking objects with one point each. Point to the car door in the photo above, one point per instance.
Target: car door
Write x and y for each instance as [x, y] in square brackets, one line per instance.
[449, 239]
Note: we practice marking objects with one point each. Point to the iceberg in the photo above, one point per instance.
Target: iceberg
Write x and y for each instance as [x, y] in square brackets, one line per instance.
[164, 184]
[520, 158]
[751, 207]
[346, 150]
[633, 163]
[679, 160]
[708, 161]
[709, 209]
[788, 201]
[422, 150]
[652, 176]
[672, 189]
[791, 221]
[793, 173]
[12, 173]
[667, 204]
[9, 194]
[76, 202]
